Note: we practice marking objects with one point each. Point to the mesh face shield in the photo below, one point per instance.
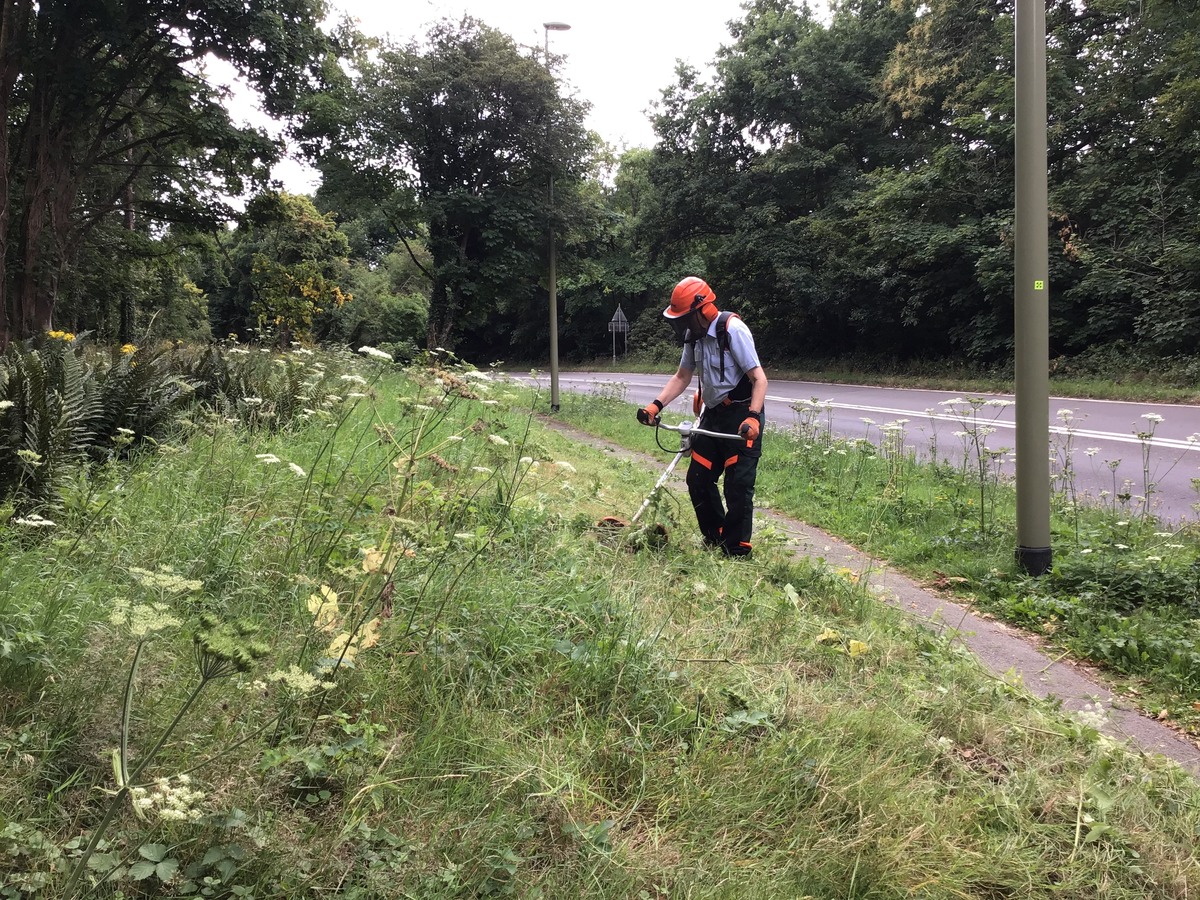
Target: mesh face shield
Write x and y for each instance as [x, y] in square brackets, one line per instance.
[682, 328]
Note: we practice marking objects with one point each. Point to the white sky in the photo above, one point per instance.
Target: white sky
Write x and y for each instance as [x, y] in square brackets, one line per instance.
[619, 54]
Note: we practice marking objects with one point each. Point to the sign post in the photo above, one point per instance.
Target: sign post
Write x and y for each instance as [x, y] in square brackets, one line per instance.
[618, 323]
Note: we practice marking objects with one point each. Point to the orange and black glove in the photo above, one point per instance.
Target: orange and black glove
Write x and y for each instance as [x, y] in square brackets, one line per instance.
[648, 415]
[751, 427]
[697, 403]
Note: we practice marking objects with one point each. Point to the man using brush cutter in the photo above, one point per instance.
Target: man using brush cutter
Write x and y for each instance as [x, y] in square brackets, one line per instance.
[733, 389]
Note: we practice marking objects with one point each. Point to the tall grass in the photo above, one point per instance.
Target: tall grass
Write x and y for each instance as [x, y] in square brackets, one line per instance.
[468, 690]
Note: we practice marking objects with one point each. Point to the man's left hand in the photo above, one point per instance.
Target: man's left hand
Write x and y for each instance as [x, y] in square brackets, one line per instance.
[750, 429]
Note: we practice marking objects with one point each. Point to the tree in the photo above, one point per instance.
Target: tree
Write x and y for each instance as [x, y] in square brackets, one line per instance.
[753, 169]
[107, 109]
[461, 132]
[288, 272]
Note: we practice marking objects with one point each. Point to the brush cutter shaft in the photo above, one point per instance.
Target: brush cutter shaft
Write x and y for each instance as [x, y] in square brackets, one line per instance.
[662, 479]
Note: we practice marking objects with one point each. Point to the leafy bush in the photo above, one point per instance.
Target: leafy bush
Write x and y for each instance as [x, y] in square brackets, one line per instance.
[1120, 361]
[62, 406]
[136, 394]
[1127, 585]
[263, 390]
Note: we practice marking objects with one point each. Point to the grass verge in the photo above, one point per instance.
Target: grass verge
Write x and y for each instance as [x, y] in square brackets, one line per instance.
[419, 670]
[1123, 594]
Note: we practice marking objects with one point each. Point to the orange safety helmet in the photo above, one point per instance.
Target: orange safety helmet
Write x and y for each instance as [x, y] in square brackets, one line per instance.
[689, 295]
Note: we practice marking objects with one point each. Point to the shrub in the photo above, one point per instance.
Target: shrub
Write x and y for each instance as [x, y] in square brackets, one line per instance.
[61, 406]
[47, 406]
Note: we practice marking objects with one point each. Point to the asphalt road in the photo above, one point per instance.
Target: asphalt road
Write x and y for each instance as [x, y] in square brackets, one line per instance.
[1098, 437]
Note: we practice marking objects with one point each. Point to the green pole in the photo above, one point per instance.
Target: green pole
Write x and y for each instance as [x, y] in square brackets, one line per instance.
[1032, 292]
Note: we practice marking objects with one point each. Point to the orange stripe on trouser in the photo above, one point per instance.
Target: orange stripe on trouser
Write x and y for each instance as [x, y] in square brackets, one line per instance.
[700, 459]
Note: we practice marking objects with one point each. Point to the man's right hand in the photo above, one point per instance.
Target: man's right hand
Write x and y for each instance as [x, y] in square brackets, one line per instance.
[648, 414]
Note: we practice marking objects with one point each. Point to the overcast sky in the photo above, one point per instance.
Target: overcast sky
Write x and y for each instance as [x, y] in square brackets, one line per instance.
[619, 54]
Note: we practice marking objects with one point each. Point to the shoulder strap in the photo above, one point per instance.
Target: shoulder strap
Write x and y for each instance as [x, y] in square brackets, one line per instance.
[723, 336]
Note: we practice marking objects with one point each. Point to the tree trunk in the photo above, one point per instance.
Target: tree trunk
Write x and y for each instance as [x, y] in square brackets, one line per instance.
[128, 314]
[445, 297]
[14, 21]
[441, 315]
[46, 202]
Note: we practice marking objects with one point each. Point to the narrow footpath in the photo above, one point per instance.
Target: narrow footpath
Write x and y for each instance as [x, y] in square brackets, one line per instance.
[1001, 650]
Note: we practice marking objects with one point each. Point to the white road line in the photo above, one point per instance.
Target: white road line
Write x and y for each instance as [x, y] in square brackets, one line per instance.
[1116, 437]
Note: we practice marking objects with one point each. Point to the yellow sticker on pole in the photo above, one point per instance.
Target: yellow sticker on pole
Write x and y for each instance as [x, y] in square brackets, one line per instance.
[1039, 285]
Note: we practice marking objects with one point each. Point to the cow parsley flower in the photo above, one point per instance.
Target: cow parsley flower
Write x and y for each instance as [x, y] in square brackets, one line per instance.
[297, 679]
[33, 520]
[173, 797]
[143, 619]
[165, 580]
[375, 353]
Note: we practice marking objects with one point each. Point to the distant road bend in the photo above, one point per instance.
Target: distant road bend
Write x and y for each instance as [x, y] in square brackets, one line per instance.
[1106, 452]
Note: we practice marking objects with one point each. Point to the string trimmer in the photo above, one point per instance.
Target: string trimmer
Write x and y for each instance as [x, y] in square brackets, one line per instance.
[686, 431]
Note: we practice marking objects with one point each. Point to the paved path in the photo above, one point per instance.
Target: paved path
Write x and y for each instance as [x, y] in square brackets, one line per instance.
[1001, 650]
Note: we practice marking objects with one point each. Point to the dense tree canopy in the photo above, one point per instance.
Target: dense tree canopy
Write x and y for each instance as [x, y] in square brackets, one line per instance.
[285, 274]
[462, 132]
[107, 111]
[852, 182]
[845, 181]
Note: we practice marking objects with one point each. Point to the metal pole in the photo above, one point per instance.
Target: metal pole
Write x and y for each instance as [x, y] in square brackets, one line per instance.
[553, 311]
[553, 275]
[1032, 292]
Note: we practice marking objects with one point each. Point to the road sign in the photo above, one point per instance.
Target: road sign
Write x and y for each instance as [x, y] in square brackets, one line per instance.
[618, 323]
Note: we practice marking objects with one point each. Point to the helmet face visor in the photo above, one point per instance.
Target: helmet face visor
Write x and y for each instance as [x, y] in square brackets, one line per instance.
[682, 327]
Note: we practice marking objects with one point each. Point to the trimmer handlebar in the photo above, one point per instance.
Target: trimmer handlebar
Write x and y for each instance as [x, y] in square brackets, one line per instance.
[687, 429]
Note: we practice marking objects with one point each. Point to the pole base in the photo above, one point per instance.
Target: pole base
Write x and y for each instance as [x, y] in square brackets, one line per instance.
[1034, 560]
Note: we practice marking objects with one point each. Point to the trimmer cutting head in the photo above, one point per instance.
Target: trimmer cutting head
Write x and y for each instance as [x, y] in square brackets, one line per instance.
[652, 535]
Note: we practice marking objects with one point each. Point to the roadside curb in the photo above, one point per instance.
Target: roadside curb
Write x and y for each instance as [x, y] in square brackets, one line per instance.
[1002, 651]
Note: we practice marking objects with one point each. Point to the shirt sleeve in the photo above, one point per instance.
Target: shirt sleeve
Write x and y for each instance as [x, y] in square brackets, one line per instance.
[687, 360]
[741, 345]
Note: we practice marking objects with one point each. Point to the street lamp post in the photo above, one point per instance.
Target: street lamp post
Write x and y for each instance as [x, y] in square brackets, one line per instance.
[553, 276]
[1031, 291]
